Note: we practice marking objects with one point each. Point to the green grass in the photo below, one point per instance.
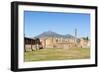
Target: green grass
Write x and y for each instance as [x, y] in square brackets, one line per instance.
[57, 54]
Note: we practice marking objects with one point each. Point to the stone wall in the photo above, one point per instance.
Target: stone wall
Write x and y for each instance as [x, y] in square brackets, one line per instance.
[29, 47]
[63, 43]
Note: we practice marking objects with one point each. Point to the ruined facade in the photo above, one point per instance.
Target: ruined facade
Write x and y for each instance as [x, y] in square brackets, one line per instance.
[52, 42]
[32, 44]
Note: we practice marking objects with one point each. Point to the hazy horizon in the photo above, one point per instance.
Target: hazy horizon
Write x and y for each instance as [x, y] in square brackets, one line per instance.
[36, 23]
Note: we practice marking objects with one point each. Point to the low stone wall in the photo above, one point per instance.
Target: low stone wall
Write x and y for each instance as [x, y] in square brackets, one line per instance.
[29, 47]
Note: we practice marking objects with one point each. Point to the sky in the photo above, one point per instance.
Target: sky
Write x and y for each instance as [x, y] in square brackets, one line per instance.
[36, 23]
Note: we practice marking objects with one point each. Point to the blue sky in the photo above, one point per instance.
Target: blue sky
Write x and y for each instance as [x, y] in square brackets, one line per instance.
[36, 23]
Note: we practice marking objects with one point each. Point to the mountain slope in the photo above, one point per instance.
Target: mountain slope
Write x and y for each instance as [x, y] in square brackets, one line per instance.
[53, 34]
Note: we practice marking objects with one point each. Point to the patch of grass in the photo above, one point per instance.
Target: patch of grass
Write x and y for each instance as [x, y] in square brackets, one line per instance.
[57, 54]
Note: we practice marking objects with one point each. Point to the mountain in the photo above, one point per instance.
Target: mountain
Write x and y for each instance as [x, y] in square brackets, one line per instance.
[53, 34]
[48, 34]
[68, 36]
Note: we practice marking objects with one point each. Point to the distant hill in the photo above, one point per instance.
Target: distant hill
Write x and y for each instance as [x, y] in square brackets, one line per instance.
[68, 36]
[53, 34]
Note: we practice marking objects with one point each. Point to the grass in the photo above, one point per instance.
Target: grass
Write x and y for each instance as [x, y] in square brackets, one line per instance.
[57, 54]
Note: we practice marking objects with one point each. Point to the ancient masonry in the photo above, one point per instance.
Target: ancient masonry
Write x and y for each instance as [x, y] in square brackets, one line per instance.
[56, 42]
[66, 43]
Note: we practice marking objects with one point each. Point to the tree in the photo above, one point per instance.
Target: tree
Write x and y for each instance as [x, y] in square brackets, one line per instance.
[86, 38]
